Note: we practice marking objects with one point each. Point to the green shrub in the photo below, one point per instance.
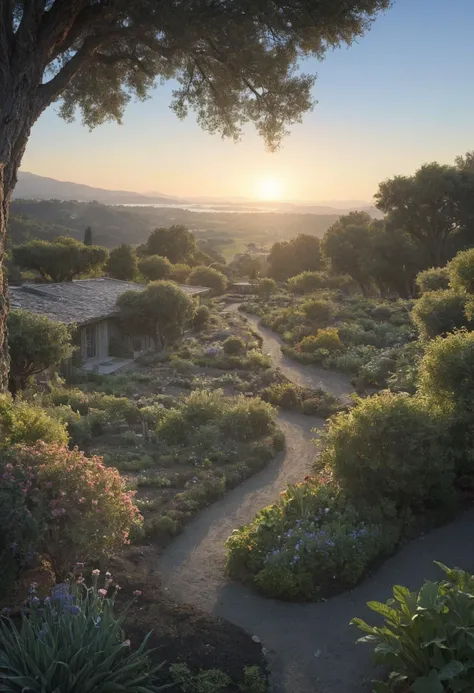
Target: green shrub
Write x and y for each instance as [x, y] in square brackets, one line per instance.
[310, 544]
[461, 271]
[327, 339]
[425, 640]
[87, 513]
[433, 279]
[440, 312]
[318, 311]
[155, 267]
[254, 681]
[256, 360]
[248, 418]
[201, 317]
[211, 278]
[22, 422]
[307, 282]
[266, 287]
[391, 447]
[73, 642]
[206, 681]
[234, 346]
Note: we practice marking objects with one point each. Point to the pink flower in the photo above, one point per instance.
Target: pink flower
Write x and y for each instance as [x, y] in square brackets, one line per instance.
[102, 592]
[137, 593]
[126, 643]
[96, 572]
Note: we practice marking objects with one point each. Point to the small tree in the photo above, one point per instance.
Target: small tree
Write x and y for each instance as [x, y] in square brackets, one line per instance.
[122, 263]
[36, 343]
[433, 279]
[59, 260]
[211, 278]
[461, 271]
[88, 236]
[180, 273]
[266, 287]
[307, 282]
[439, 312]
[161, 311]
[155, 267]
[176, 243]
[301, 254]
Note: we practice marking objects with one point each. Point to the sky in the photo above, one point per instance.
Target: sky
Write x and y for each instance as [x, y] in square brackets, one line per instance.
[401, 96]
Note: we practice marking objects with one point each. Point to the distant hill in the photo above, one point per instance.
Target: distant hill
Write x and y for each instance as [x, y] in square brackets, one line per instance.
[31, 186]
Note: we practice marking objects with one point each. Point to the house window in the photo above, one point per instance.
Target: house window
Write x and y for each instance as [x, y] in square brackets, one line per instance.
[137, 344]
[90, 341]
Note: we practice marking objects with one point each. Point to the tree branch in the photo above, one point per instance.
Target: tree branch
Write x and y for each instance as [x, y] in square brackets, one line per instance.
[26, 34]
[115, 58]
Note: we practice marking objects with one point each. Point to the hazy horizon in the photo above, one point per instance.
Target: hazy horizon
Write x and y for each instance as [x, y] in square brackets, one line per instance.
[395, 99]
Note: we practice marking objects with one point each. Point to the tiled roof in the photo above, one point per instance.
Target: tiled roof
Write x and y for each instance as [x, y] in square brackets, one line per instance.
[79, 301]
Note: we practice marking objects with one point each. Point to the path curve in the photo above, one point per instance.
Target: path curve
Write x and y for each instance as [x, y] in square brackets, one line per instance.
[311, 647]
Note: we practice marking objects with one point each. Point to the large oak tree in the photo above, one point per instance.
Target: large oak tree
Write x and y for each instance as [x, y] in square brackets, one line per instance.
[234, 62]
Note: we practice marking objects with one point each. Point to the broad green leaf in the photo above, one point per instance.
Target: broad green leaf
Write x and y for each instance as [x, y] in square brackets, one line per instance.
[428, 595]
[428, 684]
[451, 670]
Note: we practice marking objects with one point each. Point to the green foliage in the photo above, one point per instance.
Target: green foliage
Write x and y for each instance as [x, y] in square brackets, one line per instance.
[439, 312]
[122, 263]
[327, 339]
[433, 279]
[254, 681]
[23, 422]
[209, 277]
[320, 312]
[307, 282]
[296, 398]
[206, 681]
[88, 236]
[179, 273]
[391, 447]
[290, 258]
[266, 287]
[238, 418]
[161, 311]
[35, 343]
[201, 317]
[421, 639]
[234, 346]
[73, 642]
[87, 512]
[176, 243]
[61, 259]
[155, 267]
[434, 207]
[310, 544]
[461, 272]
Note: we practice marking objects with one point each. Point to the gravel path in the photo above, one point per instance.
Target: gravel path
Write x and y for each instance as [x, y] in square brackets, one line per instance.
[311, 647]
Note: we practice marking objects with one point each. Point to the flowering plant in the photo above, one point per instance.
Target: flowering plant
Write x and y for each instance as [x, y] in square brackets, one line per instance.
[72, 641]
[84, 506]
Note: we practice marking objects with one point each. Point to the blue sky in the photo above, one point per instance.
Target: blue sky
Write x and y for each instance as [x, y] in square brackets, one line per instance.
[400, 96]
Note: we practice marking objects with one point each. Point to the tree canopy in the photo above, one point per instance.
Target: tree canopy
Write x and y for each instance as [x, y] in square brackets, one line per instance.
[209, 277]
[289, 258]
[59, 260]
[122, 263]
[36, 343]
[435, 207]
[155, 267]
[160, 311]
[177, 244]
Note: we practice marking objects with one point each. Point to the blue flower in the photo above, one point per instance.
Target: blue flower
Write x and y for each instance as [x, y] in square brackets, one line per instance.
[75, 610]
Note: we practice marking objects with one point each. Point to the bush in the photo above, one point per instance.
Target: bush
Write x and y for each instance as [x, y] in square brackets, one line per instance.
[155, 267]
[423, 641]
[266, 287]
[433, 279]
[327, 339]
[22, 422]
[318, 311]
[201, 317]
[310, 544]
[294, 397]
[87, 513]
[391, 447]
[440, 312]
[234, 346]
[248, 418]
[179, 273]
[307, 282]
[206, 276]
[72, 642]
[461, 271]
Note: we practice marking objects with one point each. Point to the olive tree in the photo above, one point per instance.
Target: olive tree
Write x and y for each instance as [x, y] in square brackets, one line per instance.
[93, 56]
[36, 343]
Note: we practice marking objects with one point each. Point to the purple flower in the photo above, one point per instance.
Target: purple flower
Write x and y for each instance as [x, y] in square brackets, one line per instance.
[75, 610]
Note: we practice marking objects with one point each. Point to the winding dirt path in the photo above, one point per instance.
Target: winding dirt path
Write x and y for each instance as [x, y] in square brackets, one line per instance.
[311, 647]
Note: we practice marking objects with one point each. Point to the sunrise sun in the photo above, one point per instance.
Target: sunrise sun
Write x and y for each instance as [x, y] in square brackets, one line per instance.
[269, 189]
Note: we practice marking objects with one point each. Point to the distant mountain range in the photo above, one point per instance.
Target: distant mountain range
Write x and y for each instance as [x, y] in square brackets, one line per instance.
[32, 186]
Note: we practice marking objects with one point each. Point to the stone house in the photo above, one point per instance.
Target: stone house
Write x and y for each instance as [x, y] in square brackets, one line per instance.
[91, 305]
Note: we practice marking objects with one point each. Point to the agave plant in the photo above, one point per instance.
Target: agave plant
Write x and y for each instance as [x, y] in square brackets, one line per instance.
[71, 642]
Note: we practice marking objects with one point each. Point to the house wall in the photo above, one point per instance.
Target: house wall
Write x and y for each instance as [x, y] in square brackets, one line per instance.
[96, 334]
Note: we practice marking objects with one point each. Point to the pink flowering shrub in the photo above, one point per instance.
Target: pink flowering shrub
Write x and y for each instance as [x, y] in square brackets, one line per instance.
[85, 510]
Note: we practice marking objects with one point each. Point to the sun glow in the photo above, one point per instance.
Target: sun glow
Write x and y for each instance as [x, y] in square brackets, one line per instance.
[269, 189]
